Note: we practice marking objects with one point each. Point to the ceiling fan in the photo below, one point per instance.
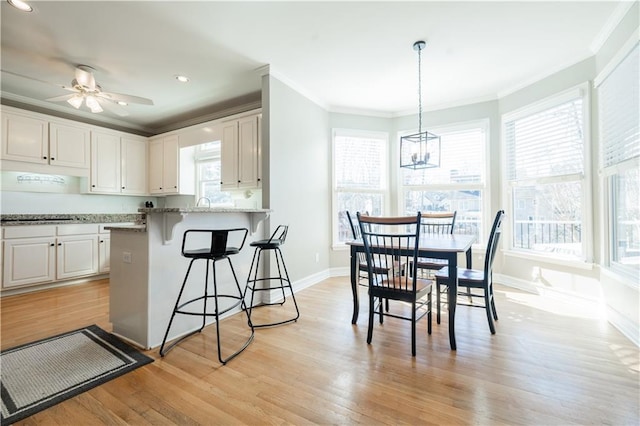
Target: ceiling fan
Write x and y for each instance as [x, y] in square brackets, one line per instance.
[88, 91]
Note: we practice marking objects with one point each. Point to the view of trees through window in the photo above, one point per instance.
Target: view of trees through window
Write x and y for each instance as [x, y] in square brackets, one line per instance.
[545, 167]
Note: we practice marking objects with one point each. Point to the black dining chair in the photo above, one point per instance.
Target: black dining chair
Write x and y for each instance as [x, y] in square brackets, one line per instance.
[393, 242]
[474, 279]
[436, 223]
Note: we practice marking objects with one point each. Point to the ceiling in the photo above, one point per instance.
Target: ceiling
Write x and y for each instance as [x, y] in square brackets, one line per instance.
[346, 56]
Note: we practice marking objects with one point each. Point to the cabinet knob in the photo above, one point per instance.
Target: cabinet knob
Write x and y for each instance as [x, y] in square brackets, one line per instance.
[258, 179]
[160, 188]
[102, 241]
[52, 245]
[93, 186]
[44, 158]
[239, 181]
[59, 244]
[52, 158]
[175, 187]
[123, 187]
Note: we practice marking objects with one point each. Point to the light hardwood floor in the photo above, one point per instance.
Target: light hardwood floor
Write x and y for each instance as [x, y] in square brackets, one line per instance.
[550, 363]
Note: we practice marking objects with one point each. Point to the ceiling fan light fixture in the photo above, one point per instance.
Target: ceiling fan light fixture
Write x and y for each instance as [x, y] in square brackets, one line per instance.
[20, 5]
[76, 101]
[93, 104]
[182, 78]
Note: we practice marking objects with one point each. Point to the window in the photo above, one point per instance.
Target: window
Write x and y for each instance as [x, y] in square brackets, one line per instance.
[359, 177]
[459, 184]
[619, 109]
[545, 162]
[208, 170]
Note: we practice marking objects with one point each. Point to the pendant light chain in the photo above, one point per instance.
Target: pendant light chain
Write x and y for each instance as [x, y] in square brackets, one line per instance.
[420, 90]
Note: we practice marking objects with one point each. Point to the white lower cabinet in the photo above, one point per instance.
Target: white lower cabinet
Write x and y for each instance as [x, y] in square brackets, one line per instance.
[29, 261]
[40, 254]
[76, 256]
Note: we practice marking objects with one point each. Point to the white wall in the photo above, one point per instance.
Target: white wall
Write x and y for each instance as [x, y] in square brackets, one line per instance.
[297, 177]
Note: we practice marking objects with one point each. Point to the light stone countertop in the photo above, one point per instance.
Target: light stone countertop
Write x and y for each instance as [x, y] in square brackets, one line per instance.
[201, 210]
[67, 218]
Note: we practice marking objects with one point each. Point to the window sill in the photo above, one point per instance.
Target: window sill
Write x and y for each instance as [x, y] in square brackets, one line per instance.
[568, 262]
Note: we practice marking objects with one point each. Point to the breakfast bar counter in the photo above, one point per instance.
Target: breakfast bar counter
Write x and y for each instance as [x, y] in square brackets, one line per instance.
[147, 268]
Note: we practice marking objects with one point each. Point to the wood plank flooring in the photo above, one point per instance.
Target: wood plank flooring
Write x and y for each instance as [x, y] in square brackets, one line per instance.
[550, 363]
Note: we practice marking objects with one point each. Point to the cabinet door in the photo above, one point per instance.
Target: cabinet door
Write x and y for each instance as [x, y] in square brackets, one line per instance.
[155, 166]
[104, 253]
[170, 159]
[134, 166]
[77, 256]
[105, 163]
[28, 261]
[229, 156]
[248, 152]
[69, 145]
[24, 139]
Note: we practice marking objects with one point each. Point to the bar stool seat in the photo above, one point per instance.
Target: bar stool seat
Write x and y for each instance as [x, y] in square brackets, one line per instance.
[217, 251]
[279, 282]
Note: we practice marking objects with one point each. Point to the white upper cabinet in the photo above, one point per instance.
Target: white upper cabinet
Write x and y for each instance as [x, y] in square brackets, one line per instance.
[133, 165]
[241, 153]
[105, 163]
[171, 169]
[31, 138]
[118, 164]
[69, 146]
[24, 139]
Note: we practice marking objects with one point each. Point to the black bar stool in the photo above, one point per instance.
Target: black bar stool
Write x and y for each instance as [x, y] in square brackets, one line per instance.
[217, 251]
[273, 243]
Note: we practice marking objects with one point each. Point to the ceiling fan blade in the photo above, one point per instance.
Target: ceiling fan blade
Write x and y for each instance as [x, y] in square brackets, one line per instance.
[85, 78]
[38, 80]
[111, 107]
[130, 99]
[60, 98]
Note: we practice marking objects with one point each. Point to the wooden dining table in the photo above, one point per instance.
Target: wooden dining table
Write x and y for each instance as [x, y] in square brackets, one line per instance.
[435, 246]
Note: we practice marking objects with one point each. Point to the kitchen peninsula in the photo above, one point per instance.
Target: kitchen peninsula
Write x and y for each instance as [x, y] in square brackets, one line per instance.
[147, 268]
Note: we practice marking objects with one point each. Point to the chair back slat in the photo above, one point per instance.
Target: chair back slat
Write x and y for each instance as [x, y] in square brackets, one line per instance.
[438, 222]
[391, 248]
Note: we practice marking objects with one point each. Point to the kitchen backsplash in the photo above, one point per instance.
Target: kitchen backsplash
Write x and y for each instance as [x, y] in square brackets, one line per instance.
[32, 203]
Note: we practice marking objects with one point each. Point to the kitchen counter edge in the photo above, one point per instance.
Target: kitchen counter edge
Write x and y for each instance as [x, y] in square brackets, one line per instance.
[201, 210]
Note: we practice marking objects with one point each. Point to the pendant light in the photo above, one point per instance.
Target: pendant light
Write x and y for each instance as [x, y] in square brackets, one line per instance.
[420, 150]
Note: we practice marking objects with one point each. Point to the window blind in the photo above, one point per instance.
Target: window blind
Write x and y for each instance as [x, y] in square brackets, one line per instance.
[619, 111]
[547, 143]
[462, 160]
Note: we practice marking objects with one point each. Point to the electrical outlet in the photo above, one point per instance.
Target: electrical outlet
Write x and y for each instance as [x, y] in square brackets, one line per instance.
[126, 257]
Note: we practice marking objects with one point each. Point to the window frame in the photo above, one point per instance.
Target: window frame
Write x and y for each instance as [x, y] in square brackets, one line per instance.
[384, 191]
[202, 156]
[582, 90]
[484, 187]
[607, 175]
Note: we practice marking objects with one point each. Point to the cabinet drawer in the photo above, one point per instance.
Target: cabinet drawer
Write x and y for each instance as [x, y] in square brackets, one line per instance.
[29, 231]
[78, 229]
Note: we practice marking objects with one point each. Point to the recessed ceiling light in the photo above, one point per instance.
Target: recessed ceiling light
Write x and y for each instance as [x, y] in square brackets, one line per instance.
[182, 78]
[21, 5]
[123, 103]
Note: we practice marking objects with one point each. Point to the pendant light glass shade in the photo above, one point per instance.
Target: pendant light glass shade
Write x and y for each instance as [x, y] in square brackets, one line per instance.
[420, 150]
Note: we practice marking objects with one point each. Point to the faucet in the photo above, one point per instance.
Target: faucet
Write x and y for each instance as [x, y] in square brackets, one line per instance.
[206, 199]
